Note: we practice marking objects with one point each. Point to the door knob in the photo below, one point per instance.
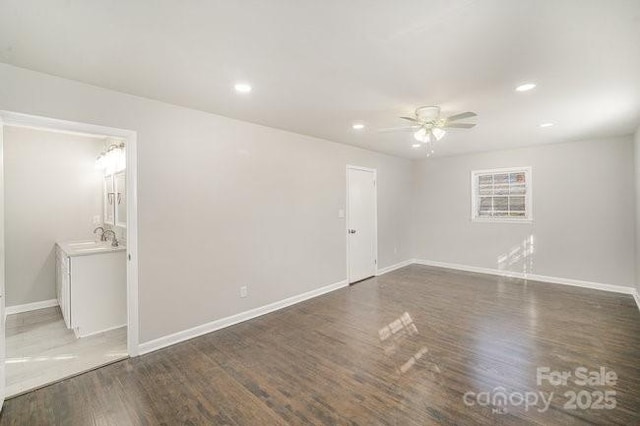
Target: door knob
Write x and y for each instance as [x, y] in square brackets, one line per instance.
[352, 231]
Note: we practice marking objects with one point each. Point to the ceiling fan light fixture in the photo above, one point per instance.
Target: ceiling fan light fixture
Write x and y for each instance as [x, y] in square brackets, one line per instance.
[438, 133]
[429, 127]
[421, 135]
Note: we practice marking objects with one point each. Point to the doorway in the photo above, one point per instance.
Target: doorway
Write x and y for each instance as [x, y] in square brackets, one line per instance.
[362, 227]
[44, 339]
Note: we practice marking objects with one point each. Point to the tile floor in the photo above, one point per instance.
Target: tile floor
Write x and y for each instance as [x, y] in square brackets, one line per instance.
[41, 350]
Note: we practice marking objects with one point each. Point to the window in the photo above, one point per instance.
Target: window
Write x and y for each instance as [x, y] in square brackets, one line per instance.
[501, 195]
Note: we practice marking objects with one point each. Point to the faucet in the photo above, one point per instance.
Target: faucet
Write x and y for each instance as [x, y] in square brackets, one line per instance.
[114, 241]
[102, 236]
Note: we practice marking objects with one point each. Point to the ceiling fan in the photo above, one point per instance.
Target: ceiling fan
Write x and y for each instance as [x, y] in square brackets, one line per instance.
[428, 126]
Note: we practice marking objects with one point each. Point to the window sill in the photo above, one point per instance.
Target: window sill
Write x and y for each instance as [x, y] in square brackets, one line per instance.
[502, 220]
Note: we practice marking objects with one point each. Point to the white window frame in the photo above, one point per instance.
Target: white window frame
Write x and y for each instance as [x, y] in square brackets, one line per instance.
[528, 199]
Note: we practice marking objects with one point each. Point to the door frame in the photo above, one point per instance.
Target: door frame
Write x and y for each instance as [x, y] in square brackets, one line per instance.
[3, 320]
[8, 118]
[375, 217]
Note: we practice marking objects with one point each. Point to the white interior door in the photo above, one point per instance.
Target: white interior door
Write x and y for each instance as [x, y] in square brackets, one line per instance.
[3, 348]
[361, 223]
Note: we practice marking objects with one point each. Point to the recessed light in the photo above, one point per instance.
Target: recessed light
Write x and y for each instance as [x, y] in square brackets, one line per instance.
[358, 126]
[547, 124]
[242, 88]
[525, 87]
[416, 145]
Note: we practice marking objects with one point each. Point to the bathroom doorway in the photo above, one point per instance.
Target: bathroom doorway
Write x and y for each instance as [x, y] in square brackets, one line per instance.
[69, 249]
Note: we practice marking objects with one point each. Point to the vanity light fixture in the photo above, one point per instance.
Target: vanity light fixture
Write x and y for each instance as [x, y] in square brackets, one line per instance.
[113, 159]
[357, 126]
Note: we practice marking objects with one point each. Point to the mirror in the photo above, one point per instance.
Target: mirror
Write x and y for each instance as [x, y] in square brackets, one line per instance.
[109, 198]
[120, 182]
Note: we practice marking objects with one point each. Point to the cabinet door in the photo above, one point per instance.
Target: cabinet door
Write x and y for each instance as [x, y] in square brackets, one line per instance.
[120, 183]
[109, 200]
[65, 290]
[58, 277]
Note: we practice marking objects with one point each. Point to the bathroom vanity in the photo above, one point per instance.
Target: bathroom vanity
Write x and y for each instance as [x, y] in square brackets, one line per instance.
[91, 286]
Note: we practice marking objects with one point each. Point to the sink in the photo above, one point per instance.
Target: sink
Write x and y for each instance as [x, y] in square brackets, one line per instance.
[88, 247]
[80, 244]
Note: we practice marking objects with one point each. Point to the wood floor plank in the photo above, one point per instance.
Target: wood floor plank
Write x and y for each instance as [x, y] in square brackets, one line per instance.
[403, 348]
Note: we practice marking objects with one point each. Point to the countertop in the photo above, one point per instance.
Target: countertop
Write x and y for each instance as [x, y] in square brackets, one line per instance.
[88, 247]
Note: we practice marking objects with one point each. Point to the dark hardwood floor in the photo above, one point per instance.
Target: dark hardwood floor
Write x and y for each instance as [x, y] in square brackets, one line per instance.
[403, 348]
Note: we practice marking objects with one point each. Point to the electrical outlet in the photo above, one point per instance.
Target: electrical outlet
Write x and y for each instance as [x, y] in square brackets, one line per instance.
[243, 291]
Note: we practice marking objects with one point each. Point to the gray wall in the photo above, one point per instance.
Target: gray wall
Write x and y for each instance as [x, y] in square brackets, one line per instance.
[583, 207]
[225, 203]
[52, 192]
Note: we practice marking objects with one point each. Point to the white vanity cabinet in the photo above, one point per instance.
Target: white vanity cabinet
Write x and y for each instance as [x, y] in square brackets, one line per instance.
[62, 284]
[91, 286]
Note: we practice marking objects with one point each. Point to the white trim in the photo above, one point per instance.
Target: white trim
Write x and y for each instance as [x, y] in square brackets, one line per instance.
[391, 268]
[130, 138]
[181, 336]
[3, 312]
[34, 306]
[375, 216]
[530, 277]
[133, 318]
[93, 333]
[501, 220]
[191, 333]
[636, 297]
[528, 219]
[62, 126]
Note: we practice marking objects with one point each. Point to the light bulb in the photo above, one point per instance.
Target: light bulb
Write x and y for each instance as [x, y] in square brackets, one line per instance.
[242, 88]
[438, 133]
[525, 87]
[422, 135]
[100, 165]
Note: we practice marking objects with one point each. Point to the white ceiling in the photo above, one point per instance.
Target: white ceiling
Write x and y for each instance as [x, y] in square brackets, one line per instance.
[318, 66]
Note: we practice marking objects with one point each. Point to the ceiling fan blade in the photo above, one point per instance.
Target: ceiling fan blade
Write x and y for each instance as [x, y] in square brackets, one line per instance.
[399, 129]
[458, 125]
[462, 115]
[415, 120]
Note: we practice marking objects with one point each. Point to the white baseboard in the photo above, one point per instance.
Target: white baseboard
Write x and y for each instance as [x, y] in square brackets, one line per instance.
[399, 265]
[181, 336]
[636, 296]
[191, 333]
[532, 277]
[93, 333]
[18, 309]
